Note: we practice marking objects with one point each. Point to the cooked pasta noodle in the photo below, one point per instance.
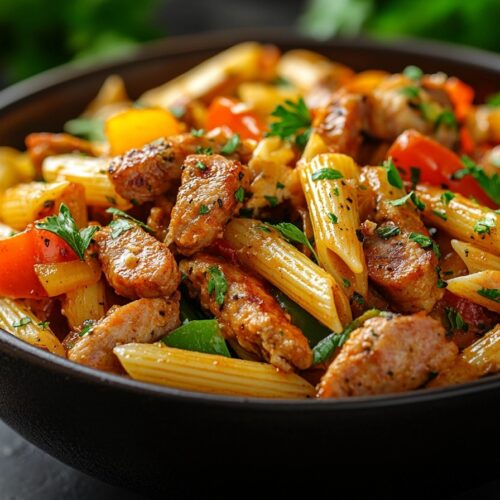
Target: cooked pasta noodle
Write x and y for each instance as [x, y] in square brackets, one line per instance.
[482, 288]
[87, 302]
[475, 258]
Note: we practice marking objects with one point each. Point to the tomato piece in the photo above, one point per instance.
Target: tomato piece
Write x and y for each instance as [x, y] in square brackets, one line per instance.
[436, 163]
[19, 254]
[461, 96]
[235, 115]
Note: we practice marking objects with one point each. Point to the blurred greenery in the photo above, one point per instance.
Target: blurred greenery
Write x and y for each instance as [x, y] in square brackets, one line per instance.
[469, 22]
[37, 35]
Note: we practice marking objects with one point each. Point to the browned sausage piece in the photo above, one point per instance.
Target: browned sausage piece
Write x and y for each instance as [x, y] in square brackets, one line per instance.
[249, 313]
[137, 265]
[399, 266]
[388, 355]
[211, 192]
[144, 320]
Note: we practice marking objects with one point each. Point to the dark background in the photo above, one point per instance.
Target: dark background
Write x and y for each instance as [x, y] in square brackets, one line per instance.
[36, 35]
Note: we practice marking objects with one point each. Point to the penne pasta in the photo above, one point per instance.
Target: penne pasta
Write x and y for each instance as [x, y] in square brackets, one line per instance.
[25, 203]
[245, 61]
[21, 323]
[462, 218]
[62, 277]
[15, 167]
[87, 302]
[334, 215]
[210, 373]
[263, 97]
[479, 359]
[91, 173]
[266, 252]
[482, 288]
[475, 258]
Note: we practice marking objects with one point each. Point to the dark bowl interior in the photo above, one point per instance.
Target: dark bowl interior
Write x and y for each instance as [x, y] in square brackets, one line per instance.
[138, 434]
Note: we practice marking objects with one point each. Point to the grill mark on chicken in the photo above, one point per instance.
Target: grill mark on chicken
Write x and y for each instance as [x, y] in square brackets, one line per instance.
[249, 313]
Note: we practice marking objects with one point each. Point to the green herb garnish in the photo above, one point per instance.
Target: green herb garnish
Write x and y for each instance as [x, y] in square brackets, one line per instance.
[410, 196]
[415, 174]
[272, 200]
[493, 101]
[410, 92]
[455, 320]
[64, 226]
[87, 327]
[490, 293]
[346, 282]
[489, 184]
[413, 72]
[333, 218]
[217, 283]
[387, 232]
[231, 145]
[441, 214]
[91, 129]
[293, 234]
[239, 194]
[426, 242]
[124, 222]
[483, 226]
[393, 176]
[326, 173]
[197, 132]
[200, 150]
[26, 320]
[294, 121]
[446, 197]
[203, 210]
[201, 166]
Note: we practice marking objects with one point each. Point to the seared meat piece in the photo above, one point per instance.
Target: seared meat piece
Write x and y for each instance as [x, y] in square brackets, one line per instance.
[249, 313]
[388, 355]
[142, 174]
[144, 320]
[207, 198]
[136, 264]
[340, 124]
[398, 104]
[399, 266]
[43, 145]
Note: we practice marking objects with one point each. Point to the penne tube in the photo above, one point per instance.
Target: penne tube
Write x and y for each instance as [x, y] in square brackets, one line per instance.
[334, 215]
[25, 203]
[87, 302]
[91, 173]
[479, 359]
[264, 97]
[62, 277]
[462, 218]
[263, 250]
[195, 371]
[482, 288]
[315, 146]
[475, 258]
[220, 74]
[21, 323]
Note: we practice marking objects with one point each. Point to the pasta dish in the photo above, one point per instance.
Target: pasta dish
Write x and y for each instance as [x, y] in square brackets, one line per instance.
[267, 225]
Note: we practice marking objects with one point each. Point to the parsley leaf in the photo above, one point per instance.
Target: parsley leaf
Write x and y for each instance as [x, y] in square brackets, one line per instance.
[346, 282]
[333, 218]
[43, 325]
[410, 92]
[201, 165]
[326, 173]
[197, 132]
[280, 185]
[413, 72]
[484, 225]
[440, 282]
[87, 327]
[493, 101]
[387, 232]
[120, 227]
[489, 184]
[64, 226]
[410, 196]
[200, 150]
[203, 210]
[293, 234]
[446, 118]
[91, 129]
[272, 200]
[446, 197]
[426, 242]
[392, 174]
[441, 214]
[454, 319]
[231, 145]
[26, 320]
[415, 174]
[217, 283]
[490, 293]
[239, 194]
[294, 121]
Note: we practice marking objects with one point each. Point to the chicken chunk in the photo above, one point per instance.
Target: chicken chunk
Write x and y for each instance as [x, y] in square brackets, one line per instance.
[249, 313]
[211, 192]
[388, 355]
[144, 320]
[341, 123]
[398, 104]
[143, 174]
[137, 265]
[398, 265]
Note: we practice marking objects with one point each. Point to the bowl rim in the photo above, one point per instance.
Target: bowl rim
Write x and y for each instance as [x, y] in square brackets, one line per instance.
[185, 44]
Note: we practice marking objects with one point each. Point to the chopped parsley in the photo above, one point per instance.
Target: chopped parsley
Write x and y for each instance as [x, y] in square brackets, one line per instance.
[272, 200]
[440, 282]
[490, 293]
[231, 145]
[280, 185]
[415, 174]
[200, 150]
[26, 320]
[454, 319]
[239, 194]
[393, 176]
[111, 200]
[446, 197]
[441, 214]
[489, 184]
[346, 282]
[64, 226]
[217, 284]
[483, 226]
[413, 72]
[410, 92]
[203, 210]
[387, 232]
[426, 242]
[410, 196]
[293, 234]
[336, 191]
[87, 327]
[197, 132]
[493, 101]
[446, 118]
[263, 228]
[43, 325]
[124, 222]
[201, 165]
[293, 122]
[333, 218]
[326, 173]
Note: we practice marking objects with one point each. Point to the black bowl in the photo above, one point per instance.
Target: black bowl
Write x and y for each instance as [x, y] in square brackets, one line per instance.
[139, 434]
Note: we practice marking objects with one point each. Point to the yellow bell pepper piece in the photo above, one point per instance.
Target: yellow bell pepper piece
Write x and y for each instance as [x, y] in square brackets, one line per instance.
[136, 127]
